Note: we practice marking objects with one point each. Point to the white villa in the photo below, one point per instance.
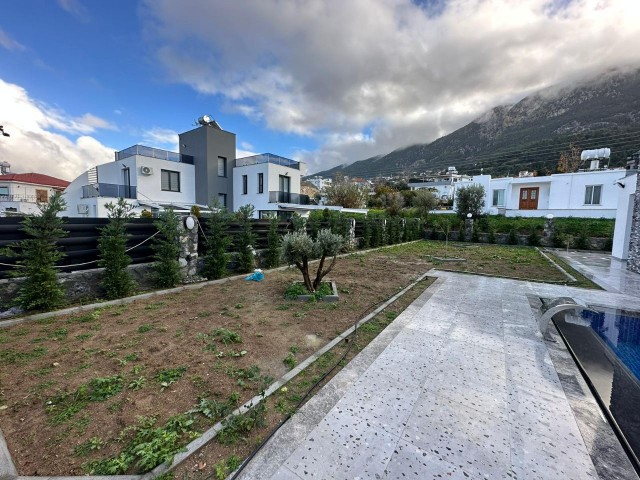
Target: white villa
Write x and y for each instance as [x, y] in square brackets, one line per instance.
[20, 193]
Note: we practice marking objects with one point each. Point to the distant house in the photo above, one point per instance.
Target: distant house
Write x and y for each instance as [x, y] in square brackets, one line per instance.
[20, 193]
[443, 185]
[591, 193]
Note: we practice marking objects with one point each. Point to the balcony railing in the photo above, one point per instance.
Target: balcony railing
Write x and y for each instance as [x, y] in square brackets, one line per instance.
[154, 153]
[18, 198]
[108, 190]
[286, 197]
[267, 158]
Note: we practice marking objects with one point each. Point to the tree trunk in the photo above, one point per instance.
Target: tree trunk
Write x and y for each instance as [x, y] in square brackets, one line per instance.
[320, 274]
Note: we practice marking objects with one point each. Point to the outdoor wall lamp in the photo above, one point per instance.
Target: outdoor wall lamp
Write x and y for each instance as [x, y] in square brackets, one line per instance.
[469, 215]
[620, 183]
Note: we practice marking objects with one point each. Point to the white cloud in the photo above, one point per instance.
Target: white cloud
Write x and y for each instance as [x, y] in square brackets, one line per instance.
[380, 74]
[164, 137]
[244, 153]
[246, 145]
[9, 43]
[76, 9]
[34, 146]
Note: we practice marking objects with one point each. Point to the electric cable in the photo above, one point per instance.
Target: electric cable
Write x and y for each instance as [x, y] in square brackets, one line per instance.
[350, 340]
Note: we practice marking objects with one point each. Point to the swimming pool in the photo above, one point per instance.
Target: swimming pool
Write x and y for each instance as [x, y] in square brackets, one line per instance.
[606, 345]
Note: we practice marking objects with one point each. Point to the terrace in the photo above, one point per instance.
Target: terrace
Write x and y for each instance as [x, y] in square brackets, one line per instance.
[153, 153]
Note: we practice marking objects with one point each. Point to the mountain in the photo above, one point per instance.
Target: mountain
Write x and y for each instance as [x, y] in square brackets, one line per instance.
[530, 135]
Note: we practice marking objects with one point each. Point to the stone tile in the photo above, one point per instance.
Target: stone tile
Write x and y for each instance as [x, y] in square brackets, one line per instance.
[409, 461]
[379, 399]
[537, 413]
[460, 436]
[536, 458]
[414, 367]
[456, 356]
[491, 339]
[539, 375]
[284, 473]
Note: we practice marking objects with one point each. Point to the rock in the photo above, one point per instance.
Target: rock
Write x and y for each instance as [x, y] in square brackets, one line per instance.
[12, 312]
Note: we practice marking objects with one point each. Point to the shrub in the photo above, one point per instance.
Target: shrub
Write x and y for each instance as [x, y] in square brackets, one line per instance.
[166, 269]
[512, 238]
[195, 211]
[534, 239]
[581, 241]
[146, 214]
[274, 253]
[491, 237]
[112, 244]
[217, 242]
[245, 240]
[558, 237]
[37, 257]
[298, 248]
[470, 200]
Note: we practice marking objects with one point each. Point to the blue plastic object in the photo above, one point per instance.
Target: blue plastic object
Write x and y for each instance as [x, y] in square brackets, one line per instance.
[256, 276]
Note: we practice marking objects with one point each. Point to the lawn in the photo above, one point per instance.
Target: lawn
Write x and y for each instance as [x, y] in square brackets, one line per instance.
[121, 389]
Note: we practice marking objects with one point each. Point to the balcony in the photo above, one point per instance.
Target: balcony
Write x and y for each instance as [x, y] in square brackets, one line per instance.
[278, 196]
[267, 158]
[153, 153]
[108, 190]
[19, 198]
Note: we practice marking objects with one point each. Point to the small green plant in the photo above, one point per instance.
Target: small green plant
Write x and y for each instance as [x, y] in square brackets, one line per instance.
[169, 376]
[137, 383]
[290, 360]
[512, 238]
[533, 239]
[237, 427]
[144, 328]
[224, 468]
[91, 445]
[103, 388]
[227, 336]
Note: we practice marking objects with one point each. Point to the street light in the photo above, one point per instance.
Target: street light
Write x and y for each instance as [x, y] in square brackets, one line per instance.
[550, 216]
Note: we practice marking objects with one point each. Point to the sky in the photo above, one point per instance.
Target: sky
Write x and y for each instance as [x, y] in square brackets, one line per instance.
[325, 82]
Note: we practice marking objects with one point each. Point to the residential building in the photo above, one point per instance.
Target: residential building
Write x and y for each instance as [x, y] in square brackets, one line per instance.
[320, 182]
[443, 185]
[20, 193]
[592, 193]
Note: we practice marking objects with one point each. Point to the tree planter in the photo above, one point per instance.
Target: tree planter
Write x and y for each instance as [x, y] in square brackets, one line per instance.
[326, 298]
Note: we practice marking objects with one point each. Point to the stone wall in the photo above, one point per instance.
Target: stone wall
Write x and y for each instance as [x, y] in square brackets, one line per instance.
[633, 262]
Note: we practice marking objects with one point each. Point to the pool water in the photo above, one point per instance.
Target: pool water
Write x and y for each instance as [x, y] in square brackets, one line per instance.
[621, 333]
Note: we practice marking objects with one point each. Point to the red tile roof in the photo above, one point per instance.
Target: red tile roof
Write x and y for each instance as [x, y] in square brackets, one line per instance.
[37, 178]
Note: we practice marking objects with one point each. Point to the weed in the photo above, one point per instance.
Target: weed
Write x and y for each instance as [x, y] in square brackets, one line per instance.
[290, 360]
[104, 388]
[84, 336]
[239, 306]
[294, 349]
[155, 306]
[89, 317]
[91, 445]
[132, 357]
[204, 314]
[41, 372]
[212, 409]
[169, 376]
[137, 383]
[10, 356]
[239, 426]
[299, 315]
[144, 328]
[227, 336]
[223, 468]
[391, 314]
[137, 369]
[284, 306]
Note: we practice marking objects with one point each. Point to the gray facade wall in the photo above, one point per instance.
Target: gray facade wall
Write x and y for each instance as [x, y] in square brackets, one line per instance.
[206, 144]
[633, 262]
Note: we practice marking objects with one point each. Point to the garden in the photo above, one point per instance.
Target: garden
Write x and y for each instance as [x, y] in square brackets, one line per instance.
[121, 389]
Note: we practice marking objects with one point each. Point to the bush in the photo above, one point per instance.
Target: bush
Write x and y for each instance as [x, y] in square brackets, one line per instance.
[298, 248]
[245, 240]
[512, 238]
[166, 269]
[533, 239]
[112, 244]
[37, 257]
[491, 237]
[217, 242]
[558, 237]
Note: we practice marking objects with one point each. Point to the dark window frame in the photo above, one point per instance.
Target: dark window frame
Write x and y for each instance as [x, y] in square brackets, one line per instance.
[261, 182]
[169, 182]
[224, 167]
[245, 184]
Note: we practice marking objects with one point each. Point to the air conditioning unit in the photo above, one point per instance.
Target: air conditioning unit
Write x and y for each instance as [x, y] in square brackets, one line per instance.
[144, 170]
[83, 208]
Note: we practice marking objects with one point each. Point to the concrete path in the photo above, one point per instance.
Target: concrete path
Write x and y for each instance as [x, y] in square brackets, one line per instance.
[460, 386]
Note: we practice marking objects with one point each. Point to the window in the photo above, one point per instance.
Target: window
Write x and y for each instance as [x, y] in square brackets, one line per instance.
[244, 184]
[592, 195]
[222, 199]
[261, 183]
[4, 191]
[170, 181]
[498, 198]
[222, 167]
[42, 196]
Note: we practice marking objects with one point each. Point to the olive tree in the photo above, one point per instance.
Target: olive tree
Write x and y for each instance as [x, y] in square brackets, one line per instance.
[424, 201]
[470, 200]
[298, 248]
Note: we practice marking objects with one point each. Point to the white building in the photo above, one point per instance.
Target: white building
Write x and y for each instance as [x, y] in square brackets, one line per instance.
[443, 186]
[20, 193]
[149, 178]
[592, 194]
[319, 182]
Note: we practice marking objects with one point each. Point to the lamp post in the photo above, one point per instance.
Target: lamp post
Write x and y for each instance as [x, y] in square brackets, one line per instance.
[468, 227]
[548, 227]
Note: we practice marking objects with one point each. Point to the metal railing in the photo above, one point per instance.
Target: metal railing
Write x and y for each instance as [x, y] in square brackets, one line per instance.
[154, 153]
[108, 190]
[267, 158]
[287, 197]
[18, 198]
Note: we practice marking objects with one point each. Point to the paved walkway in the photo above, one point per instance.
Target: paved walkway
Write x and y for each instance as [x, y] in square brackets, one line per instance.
[460, 386]
[609, 273]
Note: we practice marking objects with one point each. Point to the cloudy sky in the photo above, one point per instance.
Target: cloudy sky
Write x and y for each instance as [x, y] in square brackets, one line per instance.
[322, 81]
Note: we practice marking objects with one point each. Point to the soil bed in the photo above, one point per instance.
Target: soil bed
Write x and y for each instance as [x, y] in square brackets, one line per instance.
[101, 386]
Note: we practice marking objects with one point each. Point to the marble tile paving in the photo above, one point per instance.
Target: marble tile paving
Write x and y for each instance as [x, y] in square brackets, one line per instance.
[464, 388]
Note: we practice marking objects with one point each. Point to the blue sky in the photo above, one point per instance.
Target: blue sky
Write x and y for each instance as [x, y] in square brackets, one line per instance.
[323, 82]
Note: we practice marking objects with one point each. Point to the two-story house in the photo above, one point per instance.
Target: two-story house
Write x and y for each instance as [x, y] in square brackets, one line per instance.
[20, 193]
